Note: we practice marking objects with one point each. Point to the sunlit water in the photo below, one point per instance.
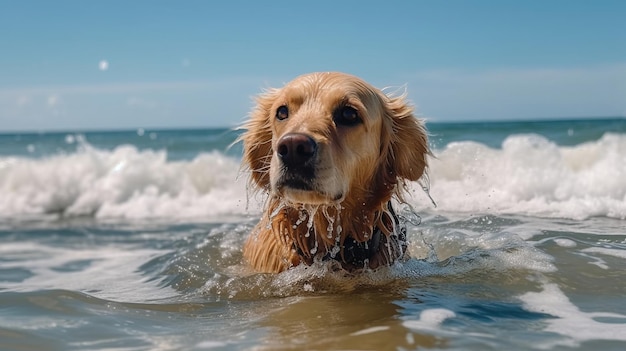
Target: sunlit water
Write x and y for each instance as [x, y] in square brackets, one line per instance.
[130, 246]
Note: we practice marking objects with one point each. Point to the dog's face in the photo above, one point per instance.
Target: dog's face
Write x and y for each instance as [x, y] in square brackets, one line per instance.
[326, 137]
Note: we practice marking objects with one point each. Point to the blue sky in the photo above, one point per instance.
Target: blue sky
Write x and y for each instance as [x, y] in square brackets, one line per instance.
[76, 65]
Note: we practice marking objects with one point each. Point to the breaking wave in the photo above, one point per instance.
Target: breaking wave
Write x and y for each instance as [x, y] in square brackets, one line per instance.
[528, 175]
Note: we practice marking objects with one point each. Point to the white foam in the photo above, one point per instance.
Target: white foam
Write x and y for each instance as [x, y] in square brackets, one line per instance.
[606, 251]
[530, 175]
[565, 242]
[577, 326]
[371, 330]
[598, 261]
[430, 320]
[122, 183]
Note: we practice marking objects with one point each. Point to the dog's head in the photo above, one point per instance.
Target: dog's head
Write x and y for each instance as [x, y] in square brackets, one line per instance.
[330, 138]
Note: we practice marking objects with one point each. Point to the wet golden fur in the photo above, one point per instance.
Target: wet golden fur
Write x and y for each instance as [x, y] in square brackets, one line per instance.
[358, 169]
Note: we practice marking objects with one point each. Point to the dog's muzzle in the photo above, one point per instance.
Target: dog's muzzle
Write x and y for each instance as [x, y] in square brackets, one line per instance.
[297, 153]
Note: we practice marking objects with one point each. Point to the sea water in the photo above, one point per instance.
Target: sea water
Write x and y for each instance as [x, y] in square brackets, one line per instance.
[131, 240]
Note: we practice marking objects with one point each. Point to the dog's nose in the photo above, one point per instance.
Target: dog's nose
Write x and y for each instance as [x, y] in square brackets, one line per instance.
[296, 149]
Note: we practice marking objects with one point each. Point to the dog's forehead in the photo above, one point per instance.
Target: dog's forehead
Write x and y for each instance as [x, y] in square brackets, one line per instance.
[329, 87]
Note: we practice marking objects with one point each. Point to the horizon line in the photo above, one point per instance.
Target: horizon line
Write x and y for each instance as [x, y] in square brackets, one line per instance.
[235, 127]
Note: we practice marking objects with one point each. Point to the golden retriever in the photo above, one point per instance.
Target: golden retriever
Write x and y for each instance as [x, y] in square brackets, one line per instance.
[331, 151]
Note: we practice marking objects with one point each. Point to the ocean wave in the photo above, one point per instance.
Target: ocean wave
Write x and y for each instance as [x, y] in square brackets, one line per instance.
[125, 183]
[531, 175]
[528, 175]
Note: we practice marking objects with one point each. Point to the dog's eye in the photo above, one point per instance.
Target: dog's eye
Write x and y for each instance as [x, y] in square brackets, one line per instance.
[282, 113]
[346, 116]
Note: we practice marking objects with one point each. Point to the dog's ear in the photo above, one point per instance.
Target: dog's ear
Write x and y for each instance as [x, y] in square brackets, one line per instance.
[257, 139]
[408, 142]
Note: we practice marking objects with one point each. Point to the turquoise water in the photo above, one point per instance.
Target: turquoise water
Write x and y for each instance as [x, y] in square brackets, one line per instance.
[131, 240]
[562, 132]
[188, 143]
[180, 144]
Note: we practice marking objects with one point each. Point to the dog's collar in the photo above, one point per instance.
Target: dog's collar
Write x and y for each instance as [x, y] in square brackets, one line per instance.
[357, 254]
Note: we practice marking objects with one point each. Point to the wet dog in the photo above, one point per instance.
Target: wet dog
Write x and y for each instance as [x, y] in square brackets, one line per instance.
[331, 151]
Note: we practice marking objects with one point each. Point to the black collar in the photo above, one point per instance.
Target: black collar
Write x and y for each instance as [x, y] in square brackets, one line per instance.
[357, 254]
